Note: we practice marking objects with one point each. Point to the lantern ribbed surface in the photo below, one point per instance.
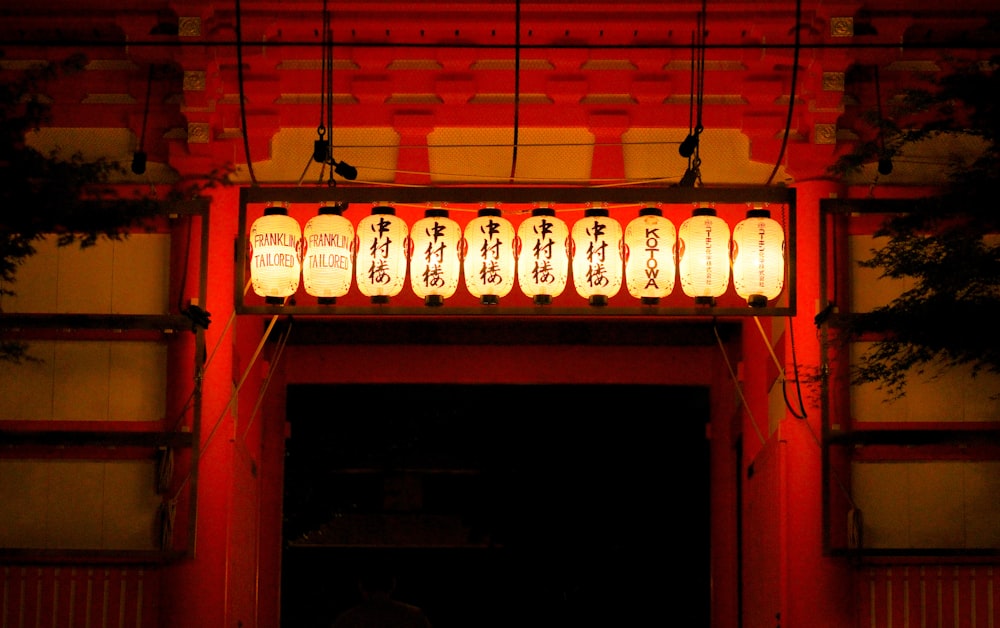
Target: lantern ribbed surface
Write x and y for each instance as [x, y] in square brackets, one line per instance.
[597, 256]
[650, 245]
[703, 255]
[380, 266]
[489, 264]
[275, 266]
[435, 266]
[327, 258]
[543, 258]
[758, 258]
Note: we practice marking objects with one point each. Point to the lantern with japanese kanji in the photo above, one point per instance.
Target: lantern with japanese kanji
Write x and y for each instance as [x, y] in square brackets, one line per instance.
[380, 264]
[758, 258]
[703, 256]
[597, 256]
[435, 266]
[488, 262]
[543, 256]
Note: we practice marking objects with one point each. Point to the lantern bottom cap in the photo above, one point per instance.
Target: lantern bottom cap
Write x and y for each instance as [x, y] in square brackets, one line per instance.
[757, 300]
[326, 300]
[542, 299]
[489, 299]
[709, 301]
[598, 300]
[434, 300]
[650, 300]
[274, 300]
[379, 299]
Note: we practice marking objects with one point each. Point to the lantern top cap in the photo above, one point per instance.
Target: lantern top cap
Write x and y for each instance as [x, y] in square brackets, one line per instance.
[596, 211]
[335, 210]
[758, 213]
[383, 210]
[276, 210]
[650, 211]
[543, 211]
[436, 212]
[704, 211]
[489, 211]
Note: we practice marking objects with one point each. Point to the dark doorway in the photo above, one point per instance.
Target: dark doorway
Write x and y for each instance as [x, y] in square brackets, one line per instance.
[499, 505]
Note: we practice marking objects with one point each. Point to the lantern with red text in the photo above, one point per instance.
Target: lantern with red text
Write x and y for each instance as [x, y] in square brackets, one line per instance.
[488, 262]
[327, 255]
[435, 266]
[380, 266]
[703, 256]
[758, 258]
[597, 256]
[275, 265]
[543, 258]
[650, 249]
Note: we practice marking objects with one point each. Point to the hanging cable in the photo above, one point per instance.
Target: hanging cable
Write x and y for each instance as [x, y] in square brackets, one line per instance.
[689, 148]
[517, 85]
[243, 104]
[791, 98]
[736, 383]
[139, 158]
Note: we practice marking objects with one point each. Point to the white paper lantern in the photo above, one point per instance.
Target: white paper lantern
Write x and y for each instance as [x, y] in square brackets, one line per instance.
[650, 249]
[380, 266]
[435, 264]
[703, 256]
[328, 255]
[758, 258]
[597, 256]
[543, 256]
[275, 263]
[488, 262]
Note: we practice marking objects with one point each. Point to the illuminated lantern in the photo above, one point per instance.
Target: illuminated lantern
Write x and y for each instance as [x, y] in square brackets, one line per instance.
[275, 265]
[327, 255]
[650, 248]
[435, 265]
[758, 258]
[703, 256]
[489, 261]
[597, 256]
[543, 258]
[380, 265]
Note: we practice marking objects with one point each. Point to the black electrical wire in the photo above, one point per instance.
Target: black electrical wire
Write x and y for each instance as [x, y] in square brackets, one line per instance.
[517, 84]
[791, 99]
[243, 104]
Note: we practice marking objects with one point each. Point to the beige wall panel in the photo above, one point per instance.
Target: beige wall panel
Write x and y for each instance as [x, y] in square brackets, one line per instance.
[950, 505]
[74, 504]
[35, 281]
[138, 381]
[937, 504]
[84, 281]
[868, 289]
[953, 395]
[130, 505]
[26, 389]
[81, 381]
[24, 495]
[881, 492]
[982, 491]
[141, 275]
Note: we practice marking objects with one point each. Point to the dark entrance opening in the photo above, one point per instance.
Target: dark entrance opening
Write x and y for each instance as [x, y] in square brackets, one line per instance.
[499, 505]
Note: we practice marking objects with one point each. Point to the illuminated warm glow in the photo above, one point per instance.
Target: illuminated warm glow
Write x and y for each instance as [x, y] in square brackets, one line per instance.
[275, 265]
[543, 256]
[380, 269]
[650, 249]
[327, 254]
[758, 258]
[435, 264]
[703, 255]
[597, 256]
[489, 262]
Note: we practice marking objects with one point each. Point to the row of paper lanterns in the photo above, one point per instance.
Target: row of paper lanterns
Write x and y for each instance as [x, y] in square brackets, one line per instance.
[383, 253]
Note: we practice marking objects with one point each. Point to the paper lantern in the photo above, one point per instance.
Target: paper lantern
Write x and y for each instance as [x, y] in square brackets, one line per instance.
[380, 266]
[758, 258]
[597, 256]
[328, 255]
[543, 258]
[703, 256]
[435, 265]
[488, 262]
[650, 250]
[275, 265]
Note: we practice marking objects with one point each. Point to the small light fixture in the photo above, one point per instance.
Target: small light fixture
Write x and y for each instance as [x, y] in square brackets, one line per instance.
[542, 256]
[758, 258]
[596, 242]
[650, 255]
[703, 256]
[488, 260]
[380, 267]
[435, 266]
[328, 254]
[275, 255]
